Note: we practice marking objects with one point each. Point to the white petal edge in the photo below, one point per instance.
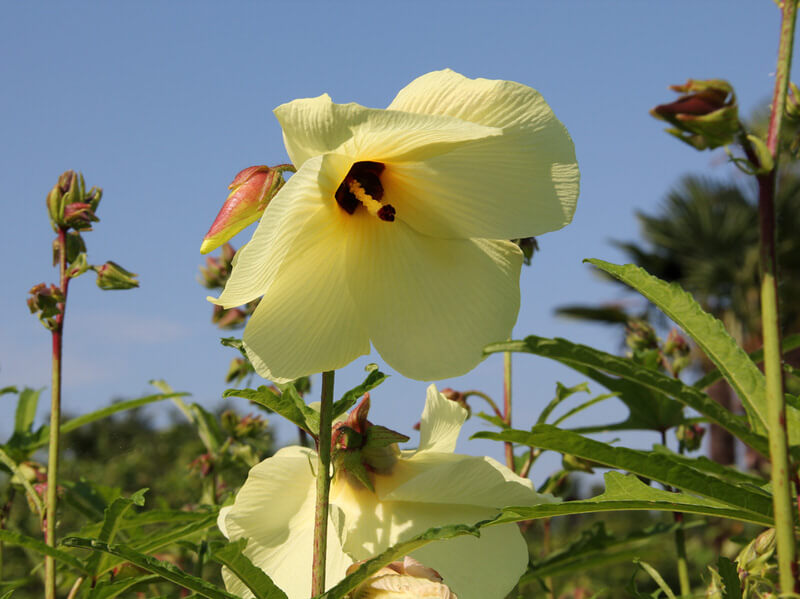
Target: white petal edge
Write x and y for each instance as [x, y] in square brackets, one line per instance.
[275, 511]
[440, 423]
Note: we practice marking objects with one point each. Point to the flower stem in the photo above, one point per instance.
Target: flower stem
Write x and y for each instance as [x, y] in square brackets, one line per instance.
[323, 486]
[773, 372]
[507, 407]
[55, 420]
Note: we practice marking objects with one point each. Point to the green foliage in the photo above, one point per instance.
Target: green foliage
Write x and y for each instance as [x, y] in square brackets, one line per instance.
[231, 555]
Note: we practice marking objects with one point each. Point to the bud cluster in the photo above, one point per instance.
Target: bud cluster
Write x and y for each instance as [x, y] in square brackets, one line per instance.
[69, 204]
[646, 348]
[690, 436]
[244, 427]
[46, 303]
[360, 448]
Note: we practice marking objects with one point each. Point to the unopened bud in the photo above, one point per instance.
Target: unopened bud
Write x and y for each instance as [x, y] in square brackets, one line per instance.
[706, 115]
[45, 302]
[458, 397]
[676, 344]
[231, 318]
[112, 276]
[251, 191]
[690, 435]
[640, 335]
[78, 266]
[407, 579]
[239, 368]
[203, 464]
[68, 204]
[216, 271]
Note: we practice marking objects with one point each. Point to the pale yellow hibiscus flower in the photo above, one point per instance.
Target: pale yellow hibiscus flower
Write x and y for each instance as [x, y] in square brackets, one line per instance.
[424, 488]
[394, 229]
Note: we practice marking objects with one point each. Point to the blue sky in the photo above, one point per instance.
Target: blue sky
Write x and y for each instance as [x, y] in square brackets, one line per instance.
[161, 104]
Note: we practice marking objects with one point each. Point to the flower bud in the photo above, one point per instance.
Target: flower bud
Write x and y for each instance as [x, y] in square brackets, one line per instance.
[45, 302]
[68, 204]
[640, 335]
[112, 276]
[529, 247]
[251, 191]
[203, 464]
[706, 115]
[690, 435]
[360, 447]
[407, 579]
[215, 273]
[228, 319]
[239, 369]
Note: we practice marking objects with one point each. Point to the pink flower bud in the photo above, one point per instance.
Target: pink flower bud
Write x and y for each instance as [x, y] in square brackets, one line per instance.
[251, 191]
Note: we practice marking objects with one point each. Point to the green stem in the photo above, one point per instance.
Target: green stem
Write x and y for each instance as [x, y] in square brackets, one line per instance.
[487, 399]
[507, 407]
[776, 402]
[51, 513]
[323, 486]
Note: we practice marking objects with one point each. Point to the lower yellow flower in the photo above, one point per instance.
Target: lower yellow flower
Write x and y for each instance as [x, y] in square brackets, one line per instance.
[424, 488]
[403, 580]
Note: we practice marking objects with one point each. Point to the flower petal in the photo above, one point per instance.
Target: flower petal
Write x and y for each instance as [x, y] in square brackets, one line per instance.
[285, 224]
[431, 305]
[440, 424]
[275, 510]
[522, 183]
[485, 567]
[444, 478]
[308, 322]
[315, 126]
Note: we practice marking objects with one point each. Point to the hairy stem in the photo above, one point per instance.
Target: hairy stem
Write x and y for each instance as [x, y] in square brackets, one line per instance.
[51, 513]
[323, 486]
[776, 403]
[507, 407]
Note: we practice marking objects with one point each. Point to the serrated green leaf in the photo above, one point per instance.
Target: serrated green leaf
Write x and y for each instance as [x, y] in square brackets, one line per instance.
[113, 514]
[14, 538]
[729, 575]
[590, 361]
[231, 555]
[708, 332]
[288, 404]
[349, 399]
[702, 463]
[108, 589]
[165, 570]
[627, 492]
[595, 547]
[653, 465]
[790, 343]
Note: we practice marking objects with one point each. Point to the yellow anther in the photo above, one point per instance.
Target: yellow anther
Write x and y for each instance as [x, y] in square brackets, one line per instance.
[371, 204]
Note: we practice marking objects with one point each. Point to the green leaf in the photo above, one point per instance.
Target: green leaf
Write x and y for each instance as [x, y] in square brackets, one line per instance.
[26, 410]
[589, 361]
[163, 569]
[121, 406]
[113, 514]
[790, 343]
[207, 427]
[658, 578]
[288, 404]
[562, 393]
[702, 463]
[586, 404]
[708, 332]
[349, 399]
[15, 538]
[627, 492]
[654, 465]
[108, 589]
[231, 555]
[596, 547]
[729, 575]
